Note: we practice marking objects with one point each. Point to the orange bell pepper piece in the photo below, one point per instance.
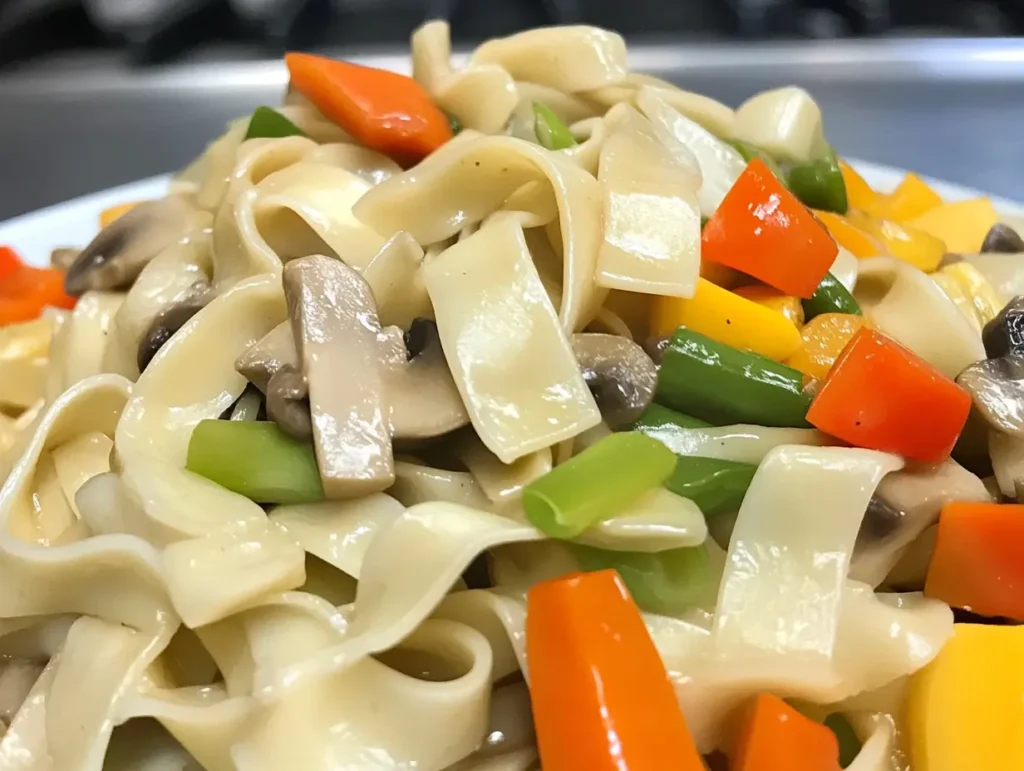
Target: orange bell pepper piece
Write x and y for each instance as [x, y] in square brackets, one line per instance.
[978, 562]
[911, 198]
[854, 239]
[382, 110]
[824, 338]
[882, 396]
[25, 291]
[961, 225]
[775, 737]
[787, 305]
[761, 229]
[859, 194]
[601, 698]
[902, 241]
[10, 262]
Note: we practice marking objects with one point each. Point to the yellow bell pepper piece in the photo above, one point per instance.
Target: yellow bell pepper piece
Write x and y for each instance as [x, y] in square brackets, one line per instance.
[769, 297]
[115, 212]
[859, 194]
[728, 318]
[962, 225]
[965, 710]
[903, 241]
[822, 340]
[849, 236]
[912, 198]
[971, 292]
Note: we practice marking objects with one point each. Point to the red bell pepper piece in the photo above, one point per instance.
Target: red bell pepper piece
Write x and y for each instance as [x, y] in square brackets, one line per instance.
[10, 262]
[882, 396]
[761, 229]
[601, 698]
[383, 110]
[25, 291]
[775, 737]
[978, 562]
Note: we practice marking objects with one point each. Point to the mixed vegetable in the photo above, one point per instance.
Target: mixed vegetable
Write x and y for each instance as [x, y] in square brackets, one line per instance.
[769, 340]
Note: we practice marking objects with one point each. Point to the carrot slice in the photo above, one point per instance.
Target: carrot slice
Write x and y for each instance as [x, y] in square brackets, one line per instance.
[978, 562]
[761, 229]
[383, 110]
[602, 700]
[775, 737]
[882, 396]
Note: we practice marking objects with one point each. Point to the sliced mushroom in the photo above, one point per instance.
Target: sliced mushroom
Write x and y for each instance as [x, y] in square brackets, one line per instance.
[904, 505]
[275, 350]
[424, 399]
[620, 375]
[165, 324]
[1002, 239]
[334, 322]
[63, 258]
[116, 256]
[1005, 333]
[996, 387]
[655, 345]
[288, 402]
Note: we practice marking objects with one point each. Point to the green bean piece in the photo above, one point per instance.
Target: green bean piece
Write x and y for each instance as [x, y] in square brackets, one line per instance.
[551, 132]
[255, 459]
[849, 744]
[597, 483]
[723, 385]
[716, 486]
[267, 123]
[830, 297]
[819, 184]
[658, 417]
[664, 582]
[749, 152]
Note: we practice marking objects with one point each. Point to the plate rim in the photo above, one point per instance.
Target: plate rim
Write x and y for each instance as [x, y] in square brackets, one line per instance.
[32, 233]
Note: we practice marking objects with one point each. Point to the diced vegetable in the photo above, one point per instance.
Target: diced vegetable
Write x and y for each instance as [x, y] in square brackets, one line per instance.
[849, 744]
[775, 737]
[882, 396]
[116, 212]
[789, 306]
[819, 183]
[762, 229]
[601, 698]
[978, 562]
[830, 297]
[597, 483]
[851, 237]
[961, 225]
[25, 290]
[912, 198]
[10, 262]
[255, 459]
[728, 318]
[551, 132]
[382, 110]
[656, 417]
[716, 486]
[748, 152]
[965, 710]
[824, 338]
[723, 385]
[903, 241]
[267, 123]
[859, 194]
[1005, 333]
[665, 582]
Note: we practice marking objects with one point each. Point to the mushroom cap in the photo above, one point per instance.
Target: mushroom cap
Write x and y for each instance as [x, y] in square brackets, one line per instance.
[288, 402]
[621, 376]
[164, 325]
[1002, 239]
[996, 387]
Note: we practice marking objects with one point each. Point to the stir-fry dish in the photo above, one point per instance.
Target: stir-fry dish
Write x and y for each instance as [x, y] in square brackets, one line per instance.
[530, 414]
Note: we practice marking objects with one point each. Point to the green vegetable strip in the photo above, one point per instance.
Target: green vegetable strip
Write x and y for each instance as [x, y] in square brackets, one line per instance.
[666, 582]
[749, 152]
[255, 459]
[551, 132]
[596, 484]
[267, 123]
[849, 744]
[723, 385]
[716, 486]
[454, 122]
[657, 417]
[830, 297]
[819, 184]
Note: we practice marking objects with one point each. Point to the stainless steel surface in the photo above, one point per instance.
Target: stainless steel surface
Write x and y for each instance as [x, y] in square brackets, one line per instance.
[948, 108]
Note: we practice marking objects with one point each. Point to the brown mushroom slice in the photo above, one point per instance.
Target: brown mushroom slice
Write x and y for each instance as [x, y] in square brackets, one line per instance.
[996, 387]
[288, 402]
[334, 322]
[116, 256]
[905, 504]
[420, 390]
[63, 257]
[620, 375]
[167, 322]
[1002, 239]
[273, 351]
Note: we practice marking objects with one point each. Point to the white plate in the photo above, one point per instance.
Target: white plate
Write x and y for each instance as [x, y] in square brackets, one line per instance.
[74, 223]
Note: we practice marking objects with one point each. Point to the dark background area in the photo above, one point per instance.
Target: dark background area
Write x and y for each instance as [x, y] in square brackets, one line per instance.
[100, 92]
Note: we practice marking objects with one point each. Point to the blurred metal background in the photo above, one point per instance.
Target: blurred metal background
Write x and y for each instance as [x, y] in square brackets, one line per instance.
[99, 92]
